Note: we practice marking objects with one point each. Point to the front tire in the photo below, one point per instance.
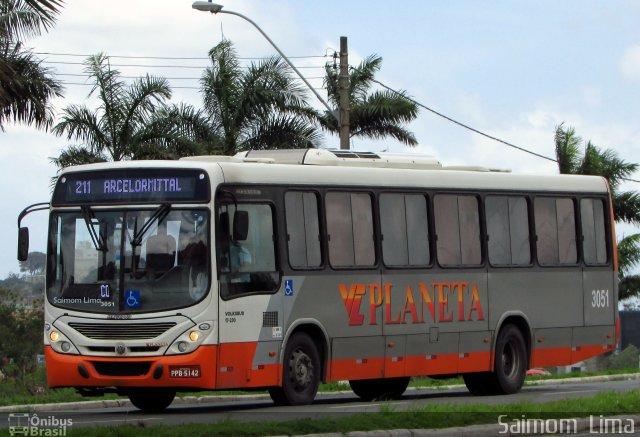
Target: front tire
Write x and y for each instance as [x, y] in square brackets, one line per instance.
[152, 400]
[301, 372]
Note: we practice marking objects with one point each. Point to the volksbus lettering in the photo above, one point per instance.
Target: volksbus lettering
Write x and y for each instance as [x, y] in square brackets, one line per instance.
[458, 301]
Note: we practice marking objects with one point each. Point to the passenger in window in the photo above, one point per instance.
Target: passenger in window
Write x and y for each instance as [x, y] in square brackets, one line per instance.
[241, 261]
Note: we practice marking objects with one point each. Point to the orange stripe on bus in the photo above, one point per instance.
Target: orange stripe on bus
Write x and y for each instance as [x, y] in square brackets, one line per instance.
[412, 365]
[566, 355]
[236, 369]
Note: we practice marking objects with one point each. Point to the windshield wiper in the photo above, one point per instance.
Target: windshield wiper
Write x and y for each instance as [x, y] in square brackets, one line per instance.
[160, 213]
[98, 238]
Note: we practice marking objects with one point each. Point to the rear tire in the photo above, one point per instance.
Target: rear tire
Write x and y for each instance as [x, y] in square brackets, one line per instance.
[300, 374]
[510, 360]
[379, 389]
[152, 400]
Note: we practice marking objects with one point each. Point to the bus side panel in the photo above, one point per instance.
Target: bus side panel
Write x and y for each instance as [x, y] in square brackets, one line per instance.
[600, 307]
[550, 298]
[250, 364]
[250, 336]
[600, 297]
[551, 347]
[395, 354]
[442, 315]
[590, 341]
[357, 358]
[475, 352]
[432, 354]
[349, 307]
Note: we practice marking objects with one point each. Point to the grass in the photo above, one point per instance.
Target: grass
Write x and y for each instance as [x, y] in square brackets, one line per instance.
[69, 395]
[431, 416]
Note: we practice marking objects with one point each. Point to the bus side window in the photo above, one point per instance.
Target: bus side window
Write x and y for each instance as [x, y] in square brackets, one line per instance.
[405, 230]
[350, 229]
[556, 231]
[457, 223]
[303, 229]
[593, 230]
[508, 230]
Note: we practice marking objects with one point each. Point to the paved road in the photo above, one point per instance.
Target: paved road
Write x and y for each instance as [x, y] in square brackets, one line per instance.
[260, 408]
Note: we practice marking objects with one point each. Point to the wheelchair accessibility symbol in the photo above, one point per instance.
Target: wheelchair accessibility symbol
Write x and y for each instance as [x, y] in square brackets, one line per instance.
[288, 287]
[132, 298]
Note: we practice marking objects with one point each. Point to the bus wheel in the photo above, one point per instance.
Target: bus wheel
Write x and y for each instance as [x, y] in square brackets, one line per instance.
[510, 360]
[381, 389]
[480, 384]
[152, 400]
[301, 372]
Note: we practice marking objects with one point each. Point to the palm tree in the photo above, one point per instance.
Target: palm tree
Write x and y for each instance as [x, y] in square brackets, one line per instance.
[375, 115]
[594, 161]
[132, 122]
[626, 205]
[26, 87]
[258, 108]
[628, 257]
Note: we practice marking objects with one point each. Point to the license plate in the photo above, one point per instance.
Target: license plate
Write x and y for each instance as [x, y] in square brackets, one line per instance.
[184, 371]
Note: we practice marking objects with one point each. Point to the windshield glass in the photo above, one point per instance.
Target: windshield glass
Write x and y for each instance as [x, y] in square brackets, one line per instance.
[128, 261]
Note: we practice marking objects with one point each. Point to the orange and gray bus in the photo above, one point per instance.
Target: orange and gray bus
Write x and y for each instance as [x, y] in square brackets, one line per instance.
[279, 270]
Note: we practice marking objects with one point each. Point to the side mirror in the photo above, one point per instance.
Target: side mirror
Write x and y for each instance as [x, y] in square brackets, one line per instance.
[240, 225]
[23, 244]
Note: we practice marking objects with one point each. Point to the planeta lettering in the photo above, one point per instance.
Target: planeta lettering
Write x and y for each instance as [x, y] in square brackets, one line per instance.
[438, 302]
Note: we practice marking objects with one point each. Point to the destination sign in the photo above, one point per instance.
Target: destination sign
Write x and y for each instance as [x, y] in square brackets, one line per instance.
[132, 186]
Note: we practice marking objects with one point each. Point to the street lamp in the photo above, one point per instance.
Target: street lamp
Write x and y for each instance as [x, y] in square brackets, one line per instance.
[207, 6]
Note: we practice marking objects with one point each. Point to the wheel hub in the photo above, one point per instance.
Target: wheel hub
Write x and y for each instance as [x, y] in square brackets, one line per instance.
[302, 368]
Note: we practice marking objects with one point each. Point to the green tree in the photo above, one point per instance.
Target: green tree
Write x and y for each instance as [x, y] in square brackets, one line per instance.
[375, 115]
[35, 263]
[21, 331]
[26, 87]
[576, 157]
[260, 107]
[132, 122]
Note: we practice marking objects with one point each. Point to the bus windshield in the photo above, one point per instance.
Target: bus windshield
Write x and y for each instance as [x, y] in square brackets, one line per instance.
[128, 261]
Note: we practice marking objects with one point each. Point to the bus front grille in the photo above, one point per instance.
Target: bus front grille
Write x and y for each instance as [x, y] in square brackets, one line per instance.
[122, 331]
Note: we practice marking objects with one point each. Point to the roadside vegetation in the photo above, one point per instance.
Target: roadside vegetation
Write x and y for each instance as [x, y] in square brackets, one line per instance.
[428, 417]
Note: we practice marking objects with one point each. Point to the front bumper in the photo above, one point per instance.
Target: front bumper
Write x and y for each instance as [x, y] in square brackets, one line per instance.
[65, 370]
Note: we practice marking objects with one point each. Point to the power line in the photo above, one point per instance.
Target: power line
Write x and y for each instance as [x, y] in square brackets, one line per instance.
[174, 57]
[522, 149]
[137, 77]
[160, 66]
[464, 125]
[173, 87]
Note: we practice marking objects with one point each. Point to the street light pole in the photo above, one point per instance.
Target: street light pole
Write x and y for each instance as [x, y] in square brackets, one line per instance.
[214, 8]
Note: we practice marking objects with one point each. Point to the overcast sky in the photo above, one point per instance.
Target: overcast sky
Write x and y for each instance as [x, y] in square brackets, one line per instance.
[512, 69]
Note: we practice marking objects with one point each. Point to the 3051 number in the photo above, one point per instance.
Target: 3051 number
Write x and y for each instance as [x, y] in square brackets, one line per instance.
[600, 299]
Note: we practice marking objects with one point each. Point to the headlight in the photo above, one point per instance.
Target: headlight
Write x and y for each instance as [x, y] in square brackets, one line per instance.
[191, 339]
[60, 343]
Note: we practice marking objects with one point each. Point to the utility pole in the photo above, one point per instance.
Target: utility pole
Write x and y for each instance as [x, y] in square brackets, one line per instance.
[343, 84]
